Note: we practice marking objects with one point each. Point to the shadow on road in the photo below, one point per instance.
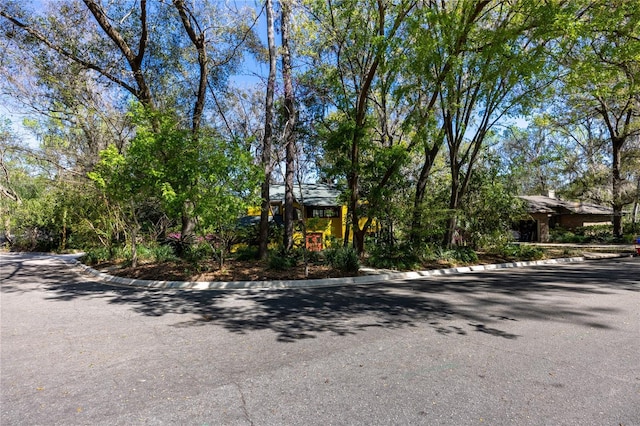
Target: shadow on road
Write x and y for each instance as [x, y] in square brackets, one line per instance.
[483, 302]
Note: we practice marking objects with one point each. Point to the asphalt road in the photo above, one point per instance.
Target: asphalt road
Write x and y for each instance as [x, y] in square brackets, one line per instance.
[551, 345]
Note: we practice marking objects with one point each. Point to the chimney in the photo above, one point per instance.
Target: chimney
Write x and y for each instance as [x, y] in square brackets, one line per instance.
[551, 193]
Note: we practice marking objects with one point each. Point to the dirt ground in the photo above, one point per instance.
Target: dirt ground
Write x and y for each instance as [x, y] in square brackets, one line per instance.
[235, 270]
[253, 270]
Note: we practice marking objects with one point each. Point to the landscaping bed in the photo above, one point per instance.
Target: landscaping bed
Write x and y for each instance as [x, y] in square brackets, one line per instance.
[253, 270]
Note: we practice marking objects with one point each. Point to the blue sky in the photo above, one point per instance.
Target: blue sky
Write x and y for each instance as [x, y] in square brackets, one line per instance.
[249, 75]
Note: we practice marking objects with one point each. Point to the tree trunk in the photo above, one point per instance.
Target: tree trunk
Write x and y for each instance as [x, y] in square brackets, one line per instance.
[617, 203]
[63, 237]
[134, 249]
[7, 229]
[452, 222]
[198, 41]
[188, 224]
[636, 206]
[268, 135]
[289, 130]
[421, 189]
[135, 227]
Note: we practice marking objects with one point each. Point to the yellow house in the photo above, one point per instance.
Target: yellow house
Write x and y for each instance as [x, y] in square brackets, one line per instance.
[325, 217]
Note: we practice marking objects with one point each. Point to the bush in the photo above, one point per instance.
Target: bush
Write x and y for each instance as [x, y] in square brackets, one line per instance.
[492, 239]
[342, 258]
[461, 254]
[314, 256]
[35, 241]
[401, 257]
[280, 262]
[585, 234]
[519, 252]
[247, 253]
[96, 255]
[144, 253]
[465, 254]
[163, 253]
[194, 253]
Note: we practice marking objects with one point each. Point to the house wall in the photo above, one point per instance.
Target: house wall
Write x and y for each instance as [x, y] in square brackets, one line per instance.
[572, 221]
[326, 226]
[334, 227]
[542, 221]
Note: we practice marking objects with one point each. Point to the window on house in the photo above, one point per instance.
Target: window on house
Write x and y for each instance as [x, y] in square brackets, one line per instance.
[327, 212]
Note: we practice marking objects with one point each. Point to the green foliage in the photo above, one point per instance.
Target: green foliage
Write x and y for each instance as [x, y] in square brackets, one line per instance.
[562, 235]
[198, 252]
[343, 258]
[400, 257]
[45, 214]
[97, 255]
[465, 254]
[597, 234]
[456, 255]
[518, 252]
[489, 207]
[146, 253]
[200, 176]
[247, 253]
[311, 256]
[279, 261]
[163, 253]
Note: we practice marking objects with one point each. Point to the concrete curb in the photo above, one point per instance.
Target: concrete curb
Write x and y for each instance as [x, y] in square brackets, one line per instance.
[328, 282]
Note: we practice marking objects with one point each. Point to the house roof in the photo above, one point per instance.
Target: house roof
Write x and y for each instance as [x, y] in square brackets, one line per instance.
[313, 194]
[543, 204]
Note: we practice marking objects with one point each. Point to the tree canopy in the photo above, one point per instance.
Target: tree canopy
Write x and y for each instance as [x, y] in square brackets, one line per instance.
[429, 116]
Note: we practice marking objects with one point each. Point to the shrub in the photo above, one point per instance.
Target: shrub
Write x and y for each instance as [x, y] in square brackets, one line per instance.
[342, 258]
[519, 252]
[35, 241]
[96, 255]
[465, 254]
[461, 254]
[401, 257]
[493, 239]
[280, 262]
[299, 253]
[163, 253]
[247, 253]
[194, 253]
[144, 253]
[445, 255]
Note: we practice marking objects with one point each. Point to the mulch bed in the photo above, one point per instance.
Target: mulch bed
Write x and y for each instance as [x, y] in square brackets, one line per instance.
[237, 270]
[233, 270]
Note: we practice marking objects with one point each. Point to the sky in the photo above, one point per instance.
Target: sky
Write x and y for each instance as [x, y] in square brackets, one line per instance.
[251, 74]
[248, 76]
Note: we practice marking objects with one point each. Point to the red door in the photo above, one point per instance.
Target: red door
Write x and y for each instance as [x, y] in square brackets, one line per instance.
[314, 241]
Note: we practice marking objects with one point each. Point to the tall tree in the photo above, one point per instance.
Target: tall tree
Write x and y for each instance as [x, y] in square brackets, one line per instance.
[290, 123]
[157, 53]
[352, 41]
[9, 196]
[603, 79]
[500, 68]
[535, 158]
[268, 133]
[441, 33]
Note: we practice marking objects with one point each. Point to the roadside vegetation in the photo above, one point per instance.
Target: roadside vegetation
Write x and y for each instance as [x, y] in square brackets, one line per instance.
[143, 143]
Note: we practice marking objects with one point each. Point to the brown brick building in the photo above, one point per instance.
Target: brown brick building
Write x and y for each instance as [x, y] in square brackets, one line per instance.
[549, 212]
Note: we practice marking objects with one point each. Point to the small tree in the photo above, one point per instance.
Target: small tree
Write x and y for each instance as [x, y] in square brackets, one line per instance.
[212, 176]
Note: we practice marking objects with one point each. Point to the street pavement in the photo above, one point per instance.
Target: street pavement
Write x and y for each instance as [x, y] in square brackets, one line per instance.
[544, 345]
